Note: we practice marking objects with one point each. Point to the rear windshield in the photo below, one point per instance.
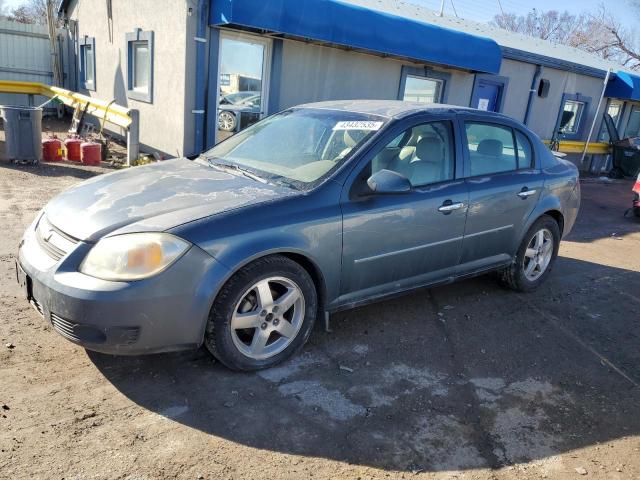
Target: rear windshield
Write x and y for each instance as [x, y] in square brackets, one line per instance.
[302, 146]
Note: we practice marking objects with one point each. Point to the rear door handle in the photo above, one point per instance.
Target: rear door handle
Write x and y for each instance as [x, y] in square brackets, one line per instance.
[525, 193]
[449, 206]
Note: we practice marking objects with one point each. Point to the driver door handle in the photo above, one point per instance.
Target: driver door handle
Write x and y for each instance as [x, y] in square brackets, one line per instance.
[449, 206]
[526, 193]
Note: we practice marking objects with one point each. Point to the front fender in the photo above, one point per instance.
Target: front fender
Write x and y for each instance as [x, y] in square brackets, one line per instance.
[308, 225]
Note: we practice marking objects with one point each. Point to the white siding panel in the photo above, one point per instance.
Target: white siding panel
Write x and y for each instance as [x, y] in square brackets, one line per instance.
[24, 56]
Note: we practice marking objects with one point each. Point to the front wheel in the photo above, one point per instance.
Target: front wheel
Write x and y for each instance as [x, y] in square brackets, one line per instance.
[535, 258]
[262, 315]
[226, 121]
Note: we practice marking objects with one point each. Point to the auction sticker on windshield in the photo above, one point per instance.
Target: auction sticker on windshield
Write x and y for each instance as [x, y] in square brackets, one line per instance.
[358, 125]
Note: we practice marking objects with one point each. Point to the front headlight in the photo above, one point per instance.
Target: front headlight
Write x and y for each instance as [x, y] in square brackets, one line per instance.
[132, 256]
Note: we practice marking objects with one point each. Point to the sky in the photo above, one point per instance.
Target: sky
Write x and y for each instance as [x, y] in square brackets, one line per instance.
[484, 10]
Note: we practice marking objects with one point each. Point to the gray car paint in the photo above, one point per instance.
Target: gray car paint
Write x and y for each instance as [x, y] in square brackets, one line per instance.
[231, 220]
[154, 198]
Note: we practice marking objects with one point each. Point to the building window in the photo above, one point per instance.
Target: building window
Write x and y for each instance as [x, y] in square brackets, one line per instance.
[423, 90]
[423, 84]
[572, 115]
[633, 125]
[140, 65]
[87, 68]
[615, 109]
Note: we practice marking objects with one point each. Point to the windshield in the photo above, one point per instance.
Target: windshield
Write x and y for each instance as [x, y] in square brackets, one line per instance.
[238, 97]
[299, 145]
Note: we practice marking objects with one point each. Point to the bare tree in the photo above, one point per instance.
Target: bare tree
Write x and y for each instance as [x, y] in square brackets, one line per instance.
[32, 11]
[599, 33]
[608, 38]
[552, 25]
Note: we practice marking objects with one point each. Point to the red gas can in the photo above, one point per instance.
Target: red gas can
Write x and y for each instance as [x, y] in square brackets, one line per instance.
[51, 149]
[72, 145]
[91, 153]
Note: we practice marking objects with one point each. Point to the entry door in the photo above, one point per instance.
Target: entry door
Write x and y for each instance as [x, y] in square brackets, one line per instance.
[392, 242]
[243, 77]
[488, 95]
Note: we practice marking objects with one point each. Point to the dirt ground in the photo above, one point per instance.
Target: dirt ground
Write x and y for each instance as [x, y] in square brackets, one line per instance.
[459, 382]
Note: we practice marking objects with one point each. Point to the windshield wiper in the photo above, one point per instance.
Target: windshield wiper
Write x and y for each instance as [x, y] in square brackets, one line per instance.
[235, 168]
[280, 180]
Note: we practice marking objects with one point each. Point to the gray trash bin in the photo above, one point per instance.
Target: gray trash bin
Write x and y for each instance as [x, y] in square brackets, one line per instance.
[22, 132]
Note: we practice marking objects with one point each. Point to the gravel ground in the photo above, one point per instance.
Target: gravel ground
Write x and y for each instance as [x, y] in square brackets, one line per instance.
[464, 381]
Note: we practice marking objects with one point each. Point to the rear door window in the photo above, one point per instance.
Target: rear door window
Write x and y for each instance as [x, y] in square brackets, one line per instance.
[491, 148]
[525, 151]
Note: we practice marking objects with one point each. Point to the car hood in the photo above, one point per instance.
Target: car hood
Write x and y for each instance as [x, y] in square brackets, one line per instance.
[154, 198]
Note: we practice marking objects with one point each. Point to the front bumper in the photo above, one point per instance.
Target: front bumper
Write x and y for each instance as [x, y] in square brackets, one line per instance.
[163, 313]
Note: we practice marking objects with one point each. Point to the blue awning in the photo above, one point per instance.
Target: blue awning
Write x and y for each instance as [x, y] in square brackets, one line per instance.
[624, 86]
[343, 24]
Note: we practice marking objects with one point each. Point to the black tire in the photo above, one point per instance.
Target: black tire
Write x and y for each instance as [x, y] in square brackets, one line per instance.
[514, 275]
[616, 173]
[218, 336]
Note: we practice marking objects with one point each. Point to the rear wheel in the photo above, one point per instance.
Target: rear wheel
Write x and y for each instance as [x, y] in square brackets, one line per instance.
[535, 257]
[262, 315]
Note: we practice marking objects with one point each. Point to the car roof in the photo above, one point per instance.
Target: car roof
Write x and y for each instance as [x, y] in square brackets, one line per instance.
[394, 108]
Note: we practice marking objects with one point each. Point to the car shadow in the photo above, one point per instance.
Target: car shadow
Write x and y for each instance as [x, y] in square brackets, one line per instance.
[463, 376]
[605, 211]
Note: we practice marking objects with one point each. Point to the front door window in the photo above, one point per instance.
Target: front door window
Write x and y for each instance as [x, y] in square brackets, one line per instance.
[243, 64]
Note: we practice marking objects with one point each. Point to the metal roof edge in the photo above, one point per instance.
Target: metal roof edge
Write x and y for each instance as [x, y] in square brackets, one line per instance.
[537, 59]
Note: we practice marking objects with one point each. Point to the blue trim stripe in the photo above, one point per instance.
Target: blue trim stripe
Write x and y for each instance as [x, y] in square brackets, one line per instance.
[625, 86]
[352, 26]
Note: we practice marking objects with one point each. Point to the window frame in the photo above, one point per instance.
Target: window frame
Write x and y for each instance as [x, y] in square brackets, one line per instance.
[136, 37]
[83, 43]
[466, 152]
[577, 97]
[617, 122]
[634, 108]
[426, 73]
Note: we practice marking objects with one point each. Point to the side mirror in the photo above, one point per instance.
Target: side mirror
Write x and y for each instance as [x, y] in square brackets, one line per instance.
[388, 182]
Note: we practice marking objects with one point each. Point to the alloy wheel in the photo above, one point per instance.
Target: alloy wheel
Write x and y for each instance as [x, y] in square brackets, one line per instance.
[226, 121]
[267, 318]
[538, 254]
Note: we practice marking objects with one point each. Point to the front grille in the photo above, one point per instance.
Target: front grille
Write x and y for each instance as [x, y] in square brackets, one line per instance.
[80, 333]
[64, 327]
[53, 241]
